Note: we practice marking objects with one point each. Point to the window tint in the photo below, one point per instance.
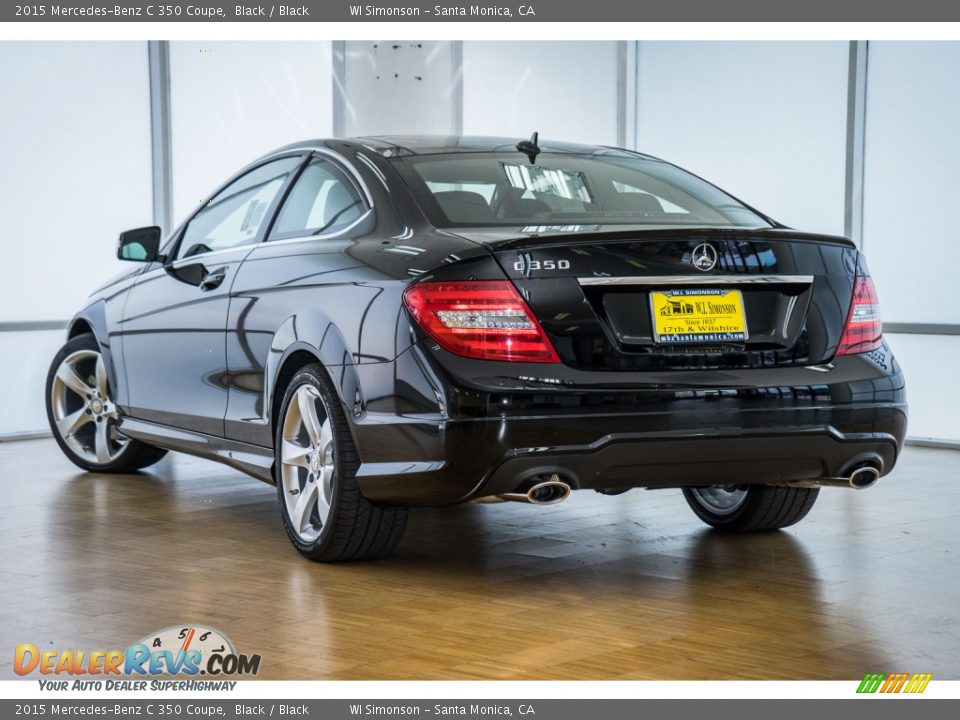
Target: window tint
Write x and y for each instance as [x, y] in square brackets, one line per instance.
[657, 204]
[233, 217]
[323, 200]
[504, 189]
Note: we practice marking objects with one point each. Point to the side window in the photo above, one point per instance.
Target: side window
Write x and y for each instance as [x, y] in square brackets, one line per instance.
[233, 216]
[323, 200]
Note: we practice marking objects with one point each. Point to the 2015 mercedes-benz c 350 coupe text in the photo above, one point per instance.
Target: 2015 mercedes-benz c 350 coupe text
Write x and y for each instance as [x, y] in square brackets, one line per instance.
[379, 323]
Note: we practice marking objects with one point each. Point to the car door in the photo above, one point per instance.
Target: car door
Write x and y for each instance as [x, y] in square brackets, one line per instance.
[174, 324]
[303, 272]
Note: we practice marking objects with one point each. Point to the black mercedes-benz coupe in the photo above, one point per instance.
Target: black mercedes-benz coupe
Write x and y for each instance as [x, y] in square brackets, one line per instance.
[379, 323]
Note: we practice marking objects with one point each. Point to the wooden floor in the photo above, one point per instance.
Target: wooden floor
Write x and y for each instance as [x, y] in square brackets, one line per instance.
[598, 587]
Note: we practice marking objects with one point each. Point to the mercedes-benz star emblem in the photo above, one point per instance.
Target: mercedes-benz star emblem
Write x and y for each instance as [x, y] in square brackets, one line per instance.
[704, 257]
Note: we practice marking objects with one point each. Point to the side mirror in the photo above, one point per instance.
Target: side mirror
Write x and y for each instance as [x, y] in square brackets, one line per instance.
[140, 245]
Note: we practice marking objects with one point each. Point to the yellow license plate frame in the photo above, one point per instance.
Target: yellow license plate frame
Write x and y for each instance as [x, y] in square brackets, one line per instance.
[698, 316]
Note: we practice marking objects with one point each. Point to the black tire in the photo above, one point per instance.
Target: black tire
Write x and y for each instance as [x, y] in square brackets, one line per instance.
[355, 528]
[134, 454]
[763, 508]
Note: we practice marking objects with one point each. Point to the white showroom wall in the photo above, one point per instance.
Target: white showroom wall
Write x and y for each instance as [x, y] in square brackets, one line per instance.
[563, 90]
[911, 182]
[399, 87]
[234, 101]
[927, 362]
[765, 121]
[75, 171]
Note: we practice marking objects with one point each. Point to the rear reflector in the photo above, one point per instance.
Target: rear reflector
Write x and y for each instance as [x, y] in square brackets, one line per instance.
[863, 329]
[483, 319]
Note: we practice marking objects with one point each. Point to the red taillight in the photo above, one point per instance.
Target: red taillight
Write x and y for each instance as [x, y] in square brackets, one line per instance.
[863, 329]
[484, 319]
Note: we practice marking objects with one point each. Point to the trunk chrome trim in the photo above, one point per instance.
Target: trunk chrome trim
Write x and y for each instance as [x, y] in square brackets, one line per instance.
[705, 280]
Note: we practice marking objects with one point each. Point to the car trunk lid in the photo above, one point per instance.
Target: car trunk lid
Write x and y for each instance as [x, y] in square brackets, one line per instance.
[598, 293]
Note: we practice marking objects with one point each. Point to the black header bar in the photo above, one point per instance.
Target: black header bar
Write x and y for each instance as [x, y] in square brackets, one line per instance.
[577, 11]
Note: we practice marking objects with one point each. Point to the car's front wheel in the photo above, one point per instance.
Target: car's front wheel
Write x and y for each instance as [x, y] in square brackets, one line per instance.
[83, 415]
[326, 516]
[749, 508]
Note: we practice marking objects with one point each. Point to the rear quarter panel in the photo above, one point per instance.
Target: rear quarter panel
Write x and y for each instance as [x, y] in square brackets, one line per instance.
[337, 299]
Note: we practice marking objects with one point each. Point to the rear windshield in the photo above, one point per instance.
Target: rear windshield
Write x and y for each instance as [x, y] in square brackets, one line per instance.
[477, 189]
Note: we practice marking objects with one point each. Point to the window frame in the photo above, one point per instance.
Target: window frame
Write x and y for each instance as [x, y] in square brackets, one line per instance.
[269, 214]
[351, 175]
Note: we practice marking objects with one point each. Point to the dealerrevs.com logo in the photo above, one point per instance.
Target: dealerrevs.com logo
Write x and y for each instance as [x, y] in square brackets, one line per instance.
[176, 651]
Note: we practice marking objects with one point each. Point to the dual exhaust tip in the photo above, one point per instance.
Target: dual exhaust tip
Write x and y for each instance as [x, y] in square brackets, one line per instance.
[553, 490]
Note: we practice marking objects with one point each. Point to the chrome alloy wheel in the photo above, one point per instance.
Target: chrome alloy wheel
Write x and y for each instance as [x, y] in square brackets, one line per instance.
[720, 499]
[85, 415]
[307, 463]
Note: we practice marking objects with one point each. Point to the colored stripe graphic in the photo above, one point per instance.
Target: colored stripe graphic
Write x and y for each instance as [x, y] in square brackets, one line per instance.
[918, 682]
[871, 682]
[894, 683]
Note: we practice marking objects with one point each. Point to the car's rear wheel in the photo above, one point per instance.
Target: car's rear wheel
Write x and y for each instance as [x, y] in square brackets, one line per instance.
[325, 515]
[83, 415]
[750, 508]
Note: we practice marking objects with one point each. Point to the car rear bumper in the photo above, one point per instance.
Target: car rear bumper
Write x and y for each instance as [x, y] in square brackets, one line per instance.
[655, 460]
[487, 441]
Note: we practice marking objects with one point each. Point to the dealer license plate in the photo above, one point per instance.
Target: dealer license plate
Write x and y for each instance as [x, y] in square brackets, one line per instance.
[698, 315]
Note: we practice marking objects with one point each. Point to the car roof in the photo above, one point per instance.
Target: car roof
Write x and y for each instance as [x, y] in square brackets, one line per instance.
[407, 145]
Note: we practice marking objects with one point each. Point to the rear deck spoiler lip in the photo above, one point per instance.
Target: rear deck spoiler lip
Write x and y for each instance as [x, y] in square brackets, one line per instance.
[707, 280]
[497, 239]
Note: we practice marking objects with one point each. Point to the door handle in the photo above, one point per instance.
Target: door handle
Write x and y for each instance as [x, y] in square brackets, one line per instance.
[213, 280]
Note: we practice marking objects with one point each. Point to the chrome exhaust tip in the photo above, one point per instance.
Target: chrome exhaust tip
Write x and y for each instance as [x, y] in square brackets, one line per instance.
[551, 491]
[863, 477]
[860, 477]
